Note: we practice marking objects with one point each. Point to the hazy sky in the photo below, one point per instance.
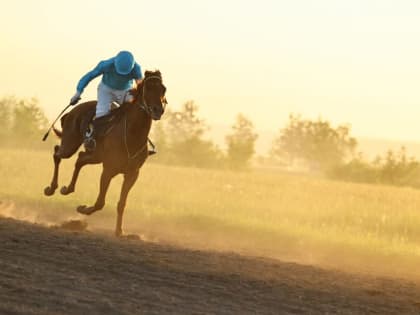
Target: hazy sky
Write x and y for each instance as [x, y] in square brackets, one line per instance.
[347, 61]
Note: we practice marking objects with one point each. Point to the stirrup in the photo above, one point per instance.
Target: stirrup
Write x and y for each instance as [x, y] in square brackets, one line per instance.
[89, 141]
[90, 144]
[89, 131]
[152, 151]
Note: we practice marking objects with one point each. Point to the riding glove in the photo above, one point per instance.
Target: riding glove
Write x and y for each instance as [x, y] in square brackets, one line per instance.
[76, 98]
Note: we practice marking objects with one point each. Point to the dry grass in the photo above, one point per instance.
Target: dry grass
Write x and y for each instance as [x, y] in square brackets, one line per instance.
[278, 215]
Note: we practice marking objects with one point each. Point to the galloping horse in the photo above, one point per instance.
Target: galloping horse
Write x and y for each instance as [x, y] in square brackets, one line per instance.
[123, 150]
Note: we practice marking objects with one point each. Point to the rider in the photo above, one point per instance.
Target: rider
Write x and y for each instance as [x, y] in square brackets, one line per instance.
[118, 74]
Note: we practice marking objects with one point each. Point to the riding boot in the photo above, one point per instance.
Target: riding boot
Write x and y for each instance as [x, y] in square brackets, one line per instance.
[95, 133]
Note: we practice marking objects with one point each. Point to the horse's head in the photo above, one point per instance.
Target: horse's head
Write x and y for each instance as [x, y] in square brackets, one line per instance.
[151, 94]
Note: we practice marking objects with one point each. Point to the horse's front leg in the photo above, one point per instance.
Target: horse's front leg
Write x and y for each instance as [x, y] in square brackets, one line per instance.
[129, 180]
[100, 201]
[49, 190]
[82, 160]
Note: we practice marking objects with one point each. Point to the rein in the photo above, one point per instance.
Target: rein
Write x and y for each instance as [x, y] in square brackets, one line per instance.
[144, 146]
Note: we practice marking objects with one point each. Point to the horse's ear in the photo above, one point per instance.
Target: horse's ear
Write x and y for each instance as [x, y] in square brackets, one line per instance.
[156, 73]
[147, 73]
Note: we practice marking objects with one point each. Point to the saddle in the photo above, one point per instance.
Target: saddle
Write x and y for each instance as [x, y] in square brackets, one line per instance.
[105, 122]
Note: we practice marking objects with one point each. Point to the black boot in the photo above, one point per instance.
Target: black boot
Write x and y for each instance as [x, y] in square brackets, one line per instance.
[95, 133]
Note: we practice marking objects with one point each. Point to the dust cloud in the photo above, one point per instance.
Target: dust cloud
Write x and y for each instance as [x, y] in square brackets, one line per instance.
[218, 239]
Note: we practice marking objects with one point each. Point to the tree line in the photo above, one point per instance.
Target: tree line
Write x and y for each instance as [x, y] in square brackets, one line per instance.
[315, 145]
[303, 144]
[180, 136]
[22, 122]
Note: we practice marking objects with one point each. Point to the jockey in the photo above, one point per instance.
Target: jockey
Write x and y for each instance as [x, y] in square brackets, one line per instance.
[118, 74]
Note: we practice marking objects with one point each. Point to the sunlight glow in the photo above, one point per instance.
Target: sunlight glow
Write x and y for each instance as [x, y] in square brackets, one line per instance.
[348, 61]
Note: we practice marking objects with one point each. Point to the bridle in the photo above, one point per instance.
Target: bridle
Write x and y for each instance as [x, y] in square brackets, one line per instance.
[143, 104]
[148, 110]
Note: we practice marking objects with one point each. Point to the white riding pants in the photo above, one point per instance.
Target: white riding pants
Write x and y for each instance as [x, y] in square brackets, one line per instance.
[107, 95]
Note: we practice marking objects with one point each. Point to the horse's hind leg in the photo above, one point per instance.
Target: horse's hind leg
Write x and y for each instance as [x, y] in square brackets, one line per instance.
[48, 191]
[82, 160]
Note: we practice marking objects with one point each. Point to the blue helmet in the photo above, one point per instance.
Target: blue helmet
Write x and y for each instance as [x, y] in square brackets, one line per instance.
[124, 62]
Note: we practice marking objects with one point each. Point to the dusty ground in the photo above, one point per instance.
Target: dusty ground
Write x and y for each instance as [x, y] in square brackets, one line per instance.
[54, 271]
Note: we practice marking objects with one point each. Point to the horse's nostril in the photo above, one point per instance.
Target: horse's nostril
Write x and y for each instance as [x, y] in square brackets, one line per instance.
[157, 109]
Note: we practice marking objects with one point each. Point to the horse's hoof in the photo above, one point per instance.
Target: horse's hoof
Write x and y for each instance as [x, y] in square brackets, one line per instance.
[130, 237]
[86, 210]
[65, 190]
[82, 209]
[49, 191]
[121, 235]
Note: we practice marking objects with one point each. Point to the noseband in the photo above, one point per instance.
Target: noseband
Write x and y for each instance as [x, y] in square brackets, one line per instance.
[143, 104]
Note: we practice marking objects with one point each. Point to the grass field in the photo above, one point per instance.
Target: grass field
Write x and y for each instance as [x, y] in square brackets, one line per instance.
[273, 214]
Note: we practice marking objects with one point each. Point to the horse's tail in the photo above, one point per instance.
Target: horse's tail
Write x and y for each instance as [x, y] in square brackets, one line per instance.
[58, 132]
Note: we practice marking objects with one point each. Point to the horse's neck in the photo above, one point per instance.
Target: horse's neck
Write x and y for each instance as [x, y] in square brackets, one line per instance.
[138, 125]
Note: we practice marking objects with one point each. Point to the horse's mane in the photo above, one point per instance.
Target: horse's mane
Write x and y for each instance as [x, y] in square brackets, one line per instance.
[136, 90]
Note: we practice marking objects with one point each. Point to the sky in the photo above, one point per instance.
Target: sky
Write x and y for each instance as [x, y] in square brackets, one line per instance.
[351, 62]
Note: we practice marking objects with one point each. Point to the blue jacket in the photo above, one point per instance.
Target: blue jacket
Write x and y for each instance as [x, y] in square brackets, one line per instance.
[110, 76]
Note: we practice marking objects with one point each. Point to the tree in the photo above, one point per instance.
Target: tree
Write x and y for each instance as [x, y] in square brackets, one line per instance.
[397, 168]
[185, 124]
[316, 143]
[22, 121]
[159, 138]
[184, 135]
[28, 120]
[6, 104]
[241, 143]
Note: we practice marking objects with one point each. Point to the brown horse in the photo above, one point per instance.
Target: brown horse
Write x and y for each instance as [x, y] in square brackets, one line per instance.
[123, 149]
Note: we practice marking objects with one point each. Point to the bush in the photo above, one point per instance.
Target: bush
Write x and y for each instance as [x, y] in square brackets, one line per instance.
[395, 168]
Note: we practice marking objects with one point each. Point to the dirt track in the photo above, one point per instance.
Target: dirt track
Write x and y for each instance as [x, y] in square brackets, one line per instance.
[51, 271]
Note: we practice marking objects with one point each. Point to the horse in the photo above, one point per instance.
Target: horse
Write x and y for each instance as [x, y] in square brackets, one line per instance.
[123, 148]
